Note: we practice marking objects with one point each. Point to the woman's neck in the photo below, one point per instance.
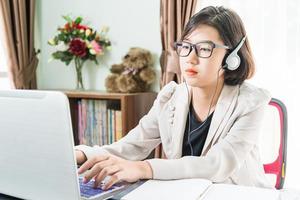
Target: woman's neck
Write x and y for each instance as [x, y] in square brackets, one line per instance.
[205, 99]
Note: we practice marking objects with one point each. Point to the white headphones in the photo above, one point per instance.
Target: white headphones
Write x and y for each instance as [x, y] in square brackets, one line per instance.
[233, 60]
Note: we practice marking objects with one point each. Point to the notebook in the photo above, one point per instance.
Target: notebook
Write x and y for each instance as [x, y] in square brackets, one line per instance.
[36, 148]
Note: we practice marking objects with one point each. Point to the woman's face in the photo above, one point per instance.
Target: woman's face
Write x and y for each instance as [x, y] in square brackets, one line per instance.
[203, 72]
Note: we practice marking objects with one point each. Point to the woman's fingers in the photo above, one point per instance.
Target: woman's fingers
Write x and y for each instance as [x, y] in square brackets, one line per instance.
[113, 180]
[108, 165]
[91, 162]
[80, 157]
[107, 171]
[96, 169]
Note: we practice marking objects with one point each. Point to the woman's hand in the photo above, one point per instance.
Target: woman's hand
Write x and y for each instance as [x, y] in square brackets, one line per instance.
[117, 168]
[80, 157]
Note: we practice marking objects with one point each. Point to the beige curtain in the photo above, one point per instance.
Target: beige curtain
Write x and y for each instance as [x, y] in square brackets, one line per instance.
[174, 14]
[17, 26]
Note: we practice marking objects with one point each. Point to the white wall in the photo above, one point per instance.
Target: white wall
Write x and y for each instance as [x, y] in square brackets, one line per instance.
[131, 23]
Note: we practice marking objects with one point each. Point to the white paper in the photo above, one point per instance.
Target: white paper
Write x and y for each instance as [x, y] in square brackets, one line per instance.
[171, 189]
[289, 194]
[236, 192]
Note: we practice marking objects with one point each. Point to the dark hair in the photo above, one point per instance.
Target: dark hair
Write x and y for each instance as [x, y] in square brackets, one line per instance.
[231, 30]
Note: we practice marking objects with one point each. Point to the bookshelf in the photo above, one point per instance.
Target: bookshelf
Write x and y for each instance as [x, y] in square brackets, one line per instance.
[133, 107]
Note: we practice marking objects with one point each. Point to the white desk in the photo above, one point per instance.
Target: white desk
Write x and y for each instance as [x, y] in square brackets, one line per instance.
[200, 189]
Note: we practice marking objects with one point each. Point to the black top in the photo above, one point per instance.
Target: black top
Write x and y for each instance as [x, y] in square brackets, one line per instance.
[195, 134]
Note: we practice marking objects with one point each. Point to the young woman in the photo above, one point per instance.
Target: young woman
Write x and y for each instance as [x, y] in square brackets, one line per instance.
[208, 125]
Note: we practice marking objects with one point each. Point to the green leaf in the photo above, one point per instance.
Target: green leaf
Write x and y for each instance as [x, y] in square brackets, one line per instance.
[67, 18]
[58, 55]
[81, 35]
[68, 62]
[64, 56]
[62, 37]
[78, 20]
[67, 58]
[55, 39]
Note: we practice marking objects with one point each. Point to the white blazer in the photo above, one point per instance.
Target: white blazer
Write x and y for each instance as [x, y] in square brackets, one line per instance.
[230, 153]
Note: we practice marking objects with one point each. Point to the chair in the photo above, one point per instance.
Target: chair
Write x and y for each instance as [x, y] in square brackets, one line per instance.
[273, 142]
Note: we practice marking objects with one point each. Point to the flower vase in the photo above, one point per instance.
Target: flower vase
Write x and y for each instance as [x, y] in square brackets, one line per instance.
[78, 66]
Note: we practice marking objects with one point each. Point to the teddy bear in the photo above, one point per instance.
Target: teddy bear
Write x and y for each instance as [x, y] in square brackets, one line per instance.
[134, 74]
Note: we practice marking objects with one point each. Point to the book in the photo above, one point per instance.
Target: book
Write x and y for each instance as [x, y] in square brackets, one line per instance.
[83, 121]
[118, 125]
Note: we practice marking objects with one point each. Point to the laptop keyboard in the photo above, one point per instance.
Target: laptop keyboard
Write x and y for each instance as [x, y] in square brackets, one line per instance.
[87, 190]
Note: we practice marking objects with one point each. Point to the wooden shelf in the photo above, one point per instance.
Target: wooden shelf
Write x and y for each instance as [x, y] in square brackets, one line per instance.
[102, 95]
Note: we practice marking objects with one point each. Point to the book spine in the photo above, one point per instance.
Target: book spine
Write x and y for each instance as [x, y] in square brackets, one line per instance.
[80, 131]
[118, 120]
[84, 121]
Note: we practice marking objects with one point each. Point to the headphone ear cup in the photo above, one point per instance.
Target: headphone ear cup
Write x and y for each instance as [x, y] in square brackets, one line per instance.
[233, 62]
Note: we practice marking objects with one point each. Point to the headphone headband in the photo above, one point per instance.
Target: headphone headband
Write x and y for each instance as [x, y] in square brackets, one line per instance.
[239, 46]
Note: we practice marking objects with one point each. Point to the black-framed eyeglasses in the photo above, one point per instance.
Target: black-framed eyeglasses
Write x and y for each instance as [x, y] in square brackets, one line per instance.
[203, 49]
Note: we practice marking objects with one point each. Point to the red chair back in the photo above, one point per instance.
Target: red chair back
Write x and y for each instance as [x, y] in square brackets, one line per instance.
[274, 142]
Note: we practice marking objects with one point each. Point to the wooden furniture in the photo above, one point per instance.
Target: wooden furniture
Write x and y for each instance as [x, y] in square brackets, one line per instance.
[133, 106]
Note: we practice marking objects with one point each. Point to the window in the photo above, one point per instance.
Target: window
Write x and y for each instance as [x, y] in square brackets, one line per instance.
[4, 80]
[273, 29]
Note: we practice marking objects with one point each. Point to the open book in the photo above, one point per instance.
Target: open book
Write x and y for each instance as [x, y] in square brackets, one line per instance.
[198, 189]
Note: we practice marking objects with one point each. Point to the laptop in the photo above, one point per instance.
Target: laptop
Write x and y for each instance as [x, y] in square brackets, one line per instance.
[37, 159]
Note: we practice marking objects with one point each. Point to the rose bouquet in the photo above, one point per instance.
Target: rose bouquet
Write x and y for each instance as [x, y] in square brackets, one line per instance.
[79, 42]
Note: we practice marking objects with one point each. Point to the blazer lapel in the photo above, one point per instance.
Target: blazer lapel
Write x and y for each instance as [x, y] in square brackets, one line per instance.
[181, 107]
[223, 110]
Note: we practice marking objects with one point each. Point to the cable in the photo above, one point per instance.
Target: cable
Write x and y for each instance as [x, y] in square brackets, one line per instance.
[210, 105]
[189, 127]
[214, 93]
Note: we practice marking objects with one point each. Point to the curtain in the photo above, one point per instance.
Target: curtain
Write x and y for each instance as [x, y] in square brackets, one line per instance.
[173, 17]
[17, 20]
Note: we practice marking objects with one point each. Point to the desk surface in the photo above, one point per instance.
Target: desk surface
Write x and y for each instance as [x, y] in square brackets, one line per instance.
[284, 194]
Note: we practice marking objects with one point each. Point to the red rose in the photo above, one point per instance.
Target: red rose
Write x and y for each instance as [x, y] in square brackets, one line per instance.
[79, 26]
[75, 26]
[78, 47]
